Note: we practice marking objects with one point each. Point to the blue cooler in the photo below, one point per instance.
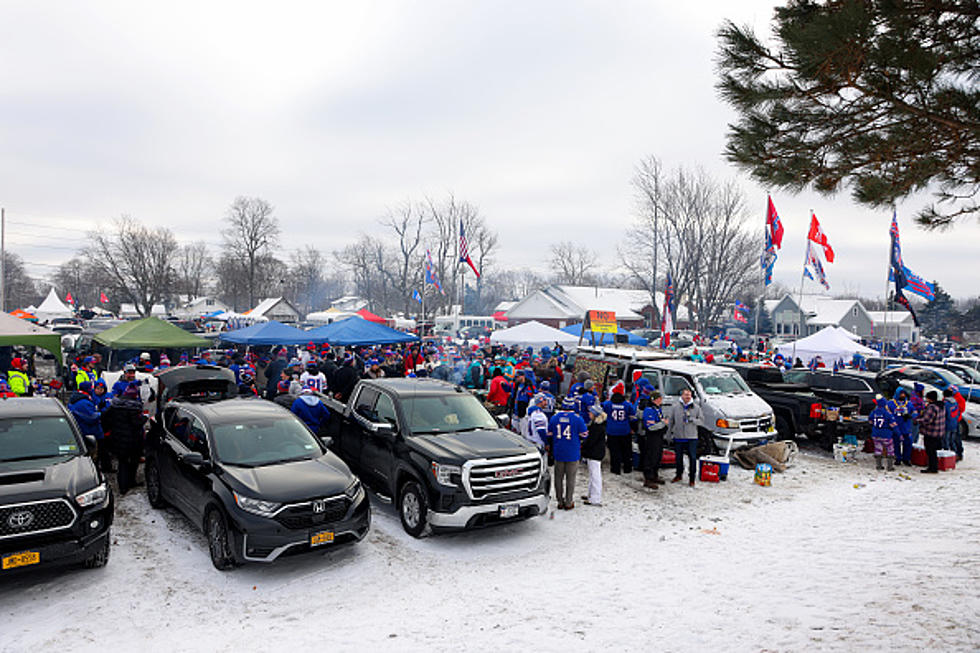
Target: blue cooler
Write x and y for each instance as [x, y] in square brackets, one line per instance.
[721, 461]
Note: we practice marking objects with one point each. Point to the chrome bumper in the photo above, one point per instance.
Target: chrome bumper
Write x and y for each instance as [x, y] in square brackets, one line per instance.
[462, 516]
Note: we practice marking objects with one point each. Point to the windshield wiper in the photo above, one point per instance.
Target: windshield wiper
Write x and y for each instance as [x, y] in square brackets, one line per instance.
[282, 460]
[34, 457]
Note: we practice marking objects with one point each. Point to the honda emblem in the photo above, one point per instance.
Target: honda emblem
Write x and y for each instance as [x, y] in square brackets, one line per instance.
[319, 506]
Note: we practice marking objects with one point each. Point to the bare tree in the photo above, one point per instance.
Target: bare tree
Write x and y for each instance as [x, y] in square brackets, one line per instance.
[406, 223]
[193, 266]
[136, 260]
[366, 260]
[21, 289]
[640, 252]
[75, 276]
[574, 265]
[306, 280]
[251, 234]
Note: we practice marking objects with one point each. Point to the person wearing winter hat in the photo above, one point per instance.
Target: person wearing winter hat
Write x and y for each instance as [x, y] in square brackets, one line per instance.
[593, 451]
[313, 378]
[620, 417]
[124, 422]
[164, 362]
[566, 430]
[905, 414]
[20, 383]
[884, 426]
[654, 427]
[586, 398]
[308, 407]
[537, 428]
[5, 391]
[129, 375]
[932, 425]
[86, 373]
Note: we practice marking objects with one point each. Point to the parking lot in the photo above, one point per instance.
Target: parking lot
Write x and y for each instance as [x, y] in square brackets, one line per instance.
[833, 556]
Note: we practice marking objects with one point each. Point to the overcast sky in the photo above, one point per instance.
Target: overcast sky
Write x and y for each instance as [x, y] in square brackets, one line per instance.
[536, 112]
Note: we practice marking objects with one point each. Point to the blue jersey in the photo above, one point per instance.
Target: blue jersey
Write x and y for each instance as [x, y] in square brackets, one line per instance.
[586, 400]
[652, 415]
[618, 417]
[883, 423]
[565, 433]
[904, 413]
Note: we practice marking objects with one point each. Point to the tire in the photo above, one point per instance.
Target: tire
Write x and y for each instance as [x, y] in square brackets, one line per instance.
[216, 529]
[412, 509]
[784, 429]
[154, 493]
[100, 557]
[964, 430]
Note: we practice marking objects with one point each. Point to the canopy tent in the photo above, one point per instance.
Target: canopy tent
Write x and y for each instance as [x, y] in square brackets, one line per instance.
[849, 334]
[149, 333]
[532, 334]
[355, 331]
[14, 331]
[328, 316]
[605, 338]
[52, 307]
[371, 317]
[828, 343]
[268, 333]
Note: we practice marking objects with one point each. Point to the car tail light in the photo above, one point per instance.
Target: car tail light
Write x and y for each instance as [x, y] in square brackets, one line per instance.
[816, 411]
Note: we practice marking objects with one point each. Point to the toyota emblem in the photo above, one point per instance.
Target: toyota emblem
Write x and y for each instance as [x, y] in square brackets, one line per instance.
[319, 506]
[21, 519]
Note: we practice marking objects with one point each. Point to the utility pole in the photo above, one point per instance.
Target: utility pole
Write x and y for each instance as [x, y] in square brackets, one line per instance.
[3, 257]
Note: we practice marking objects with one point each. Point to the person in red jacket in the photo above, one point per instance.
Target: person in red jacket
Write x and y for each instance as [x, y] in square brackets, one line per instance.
[412, 360]
[497, 395]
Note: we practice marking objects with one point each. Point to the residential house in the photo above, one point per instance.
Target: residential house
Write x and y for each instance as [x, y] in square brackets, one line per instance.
[801, 316]
[276, 308]
[559, 306]
[895, 326]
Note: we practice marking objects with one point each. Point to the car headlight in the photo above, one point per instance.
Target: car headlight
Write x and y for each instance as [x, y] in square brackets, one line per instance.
[94, 497]
[256, 506]
[444, 474]
[354, 488]
[726, 423]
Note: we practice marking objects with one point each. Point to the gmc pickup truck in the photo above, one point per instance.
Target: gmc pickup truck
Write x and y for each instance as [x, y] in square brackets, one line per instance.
[433, 449]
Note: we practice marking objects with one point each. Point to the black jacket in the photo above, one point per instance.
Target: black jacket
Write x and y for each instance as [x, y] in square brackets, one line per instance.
[344, 381]
[124, 423]
[272, 373]
[594, 447]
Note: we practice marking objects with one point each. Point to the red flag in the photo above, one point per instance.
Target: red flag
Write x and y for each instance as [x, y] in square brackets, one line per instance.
[103, 298]
[775, 225]
[819, 237]
[69, 299]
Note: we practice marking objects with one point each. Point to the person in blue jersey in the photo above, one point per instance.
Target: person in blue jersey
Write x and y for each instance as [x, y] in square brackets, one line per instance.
[620, 417]
[544, 388]
[308, 407]
[586, 398]
[566, 430]
[537, 428]
[905, 413]
[683, 421]
[883, 428]
[654, 428]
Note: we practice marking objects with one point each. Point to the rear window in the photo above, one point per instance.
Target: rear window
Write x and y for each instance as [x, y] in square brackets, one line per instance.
[31, 438]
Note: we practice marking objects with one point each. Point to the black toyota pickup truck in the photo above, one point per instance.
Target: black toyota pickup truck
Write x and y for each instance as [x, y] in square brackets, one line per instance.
[798, 408]
[433, 449]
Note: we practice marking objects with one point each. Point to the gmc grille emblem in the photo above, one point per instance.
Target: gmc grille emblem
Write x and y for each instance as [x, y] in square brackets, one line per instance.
[319, 506]
[21, 519]
[506, 473]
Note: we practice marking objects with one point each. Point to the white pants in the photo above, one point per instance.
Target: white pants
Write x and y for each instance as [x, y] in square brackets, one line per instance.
[595, 481]
[523, 427]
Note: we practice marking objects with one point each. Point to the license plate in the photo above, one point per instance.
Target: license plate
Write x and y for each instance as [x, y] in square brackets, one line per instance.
[326, 537]
[21, 559]
[510, 510]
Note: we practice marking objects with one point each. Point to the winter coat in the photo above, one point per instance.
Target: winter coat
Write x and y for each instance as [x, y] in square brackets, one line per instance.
[272, 373]
[684, 422]
[905, 413]
[311, 410]
[82, 407]
[123, 421]
[497, 395]
[883, 422]
[344, 381]
[932, 424]
[594, 446]
[952, 414]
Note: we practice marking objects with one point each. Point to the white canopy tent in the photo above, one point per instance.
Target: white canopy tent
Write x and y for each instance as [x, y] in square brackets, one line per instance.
[52, 307]
[849, 334]
[532, 334]
[828, 343]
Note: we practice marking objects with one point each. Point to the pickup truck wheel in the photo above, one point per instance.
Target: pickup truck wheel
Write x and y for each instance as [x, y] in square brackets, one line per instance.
[153, 491]
[964, 430]
[412, 508]
[784, 429]
[217, 531]
[100, 557]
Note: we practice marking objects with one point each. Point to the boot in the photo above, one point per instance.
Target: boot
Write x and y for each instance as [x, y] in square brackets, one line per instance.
[890, 467]
[878, 462]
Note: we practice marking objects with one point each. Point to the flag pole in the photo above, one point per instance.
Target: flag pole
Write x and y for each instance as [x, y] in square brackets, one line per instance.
[422, 321]
[758, 308]
[884, 336]
[799, 304]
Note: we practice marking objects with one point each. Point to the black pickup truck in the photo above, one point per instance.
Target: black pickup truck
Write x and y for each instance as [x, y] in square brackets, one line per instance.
[799, 408]
[433, 449]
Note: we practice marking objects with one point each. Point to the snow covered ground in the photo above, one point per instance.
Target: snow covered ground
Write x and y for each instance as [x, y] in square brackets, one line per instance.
[811, 563]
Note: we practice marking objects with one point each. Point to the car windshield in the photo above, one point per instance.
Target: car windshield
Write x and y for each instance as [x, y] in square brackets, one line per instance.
[966, 374]
[264, 441]
[29, 438]
[446, 414]
[722, 384]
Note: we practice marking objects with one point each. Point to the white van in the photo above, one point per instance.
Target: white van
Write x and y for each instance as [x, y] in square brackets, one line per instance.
[732, 412]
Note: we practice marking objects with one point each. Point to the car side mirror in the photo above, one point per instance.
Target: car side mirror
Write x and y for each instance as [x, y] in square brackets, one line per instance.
[192, 458]
[90, 443]
[503, 419]
[326, 440]
[383, 429]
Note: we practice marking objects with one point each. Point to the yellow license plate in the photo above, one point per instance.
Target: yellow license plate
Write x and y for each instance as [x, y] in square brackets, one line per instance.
[325, 537]
[21, 559]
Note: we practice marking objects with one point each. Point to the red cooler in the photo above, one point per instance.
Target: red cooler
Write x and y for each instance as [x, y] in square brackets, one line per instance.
[947, 460]
[919, 456]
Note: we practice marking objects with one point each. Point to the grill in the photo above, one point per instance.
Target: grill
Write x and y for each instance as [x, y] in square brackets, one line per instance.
[36, 517]
[301, 515]
[484, 478]
[760, 424]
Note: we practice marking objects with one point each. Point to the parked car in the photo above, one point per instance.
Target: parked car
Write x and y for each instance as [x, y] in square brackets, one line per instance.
[433, 449]
[55, 506]
[247, 472]
[856, 383]
[935, 377]
[817, 413]
[731, 410]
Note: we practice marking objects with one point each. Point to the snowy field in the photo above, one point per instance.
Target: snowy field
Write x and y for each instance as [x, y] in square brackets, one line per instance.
[811, 563]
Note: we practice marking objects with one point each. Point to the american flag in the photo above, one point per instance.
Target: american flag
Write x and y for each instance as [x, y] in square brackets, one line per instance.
[464, 251]
[667, 322]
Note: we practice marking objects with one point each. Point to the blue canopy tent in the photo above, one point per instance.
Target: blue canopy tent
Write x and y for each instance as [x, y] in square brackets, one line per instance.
[355, 331]
[269, 333]
[605, 338]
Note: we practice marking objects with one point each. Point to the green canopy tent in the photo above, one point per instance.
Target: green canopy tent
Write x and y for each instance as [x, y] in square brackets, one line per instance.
[15, 331]
[149, 333]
